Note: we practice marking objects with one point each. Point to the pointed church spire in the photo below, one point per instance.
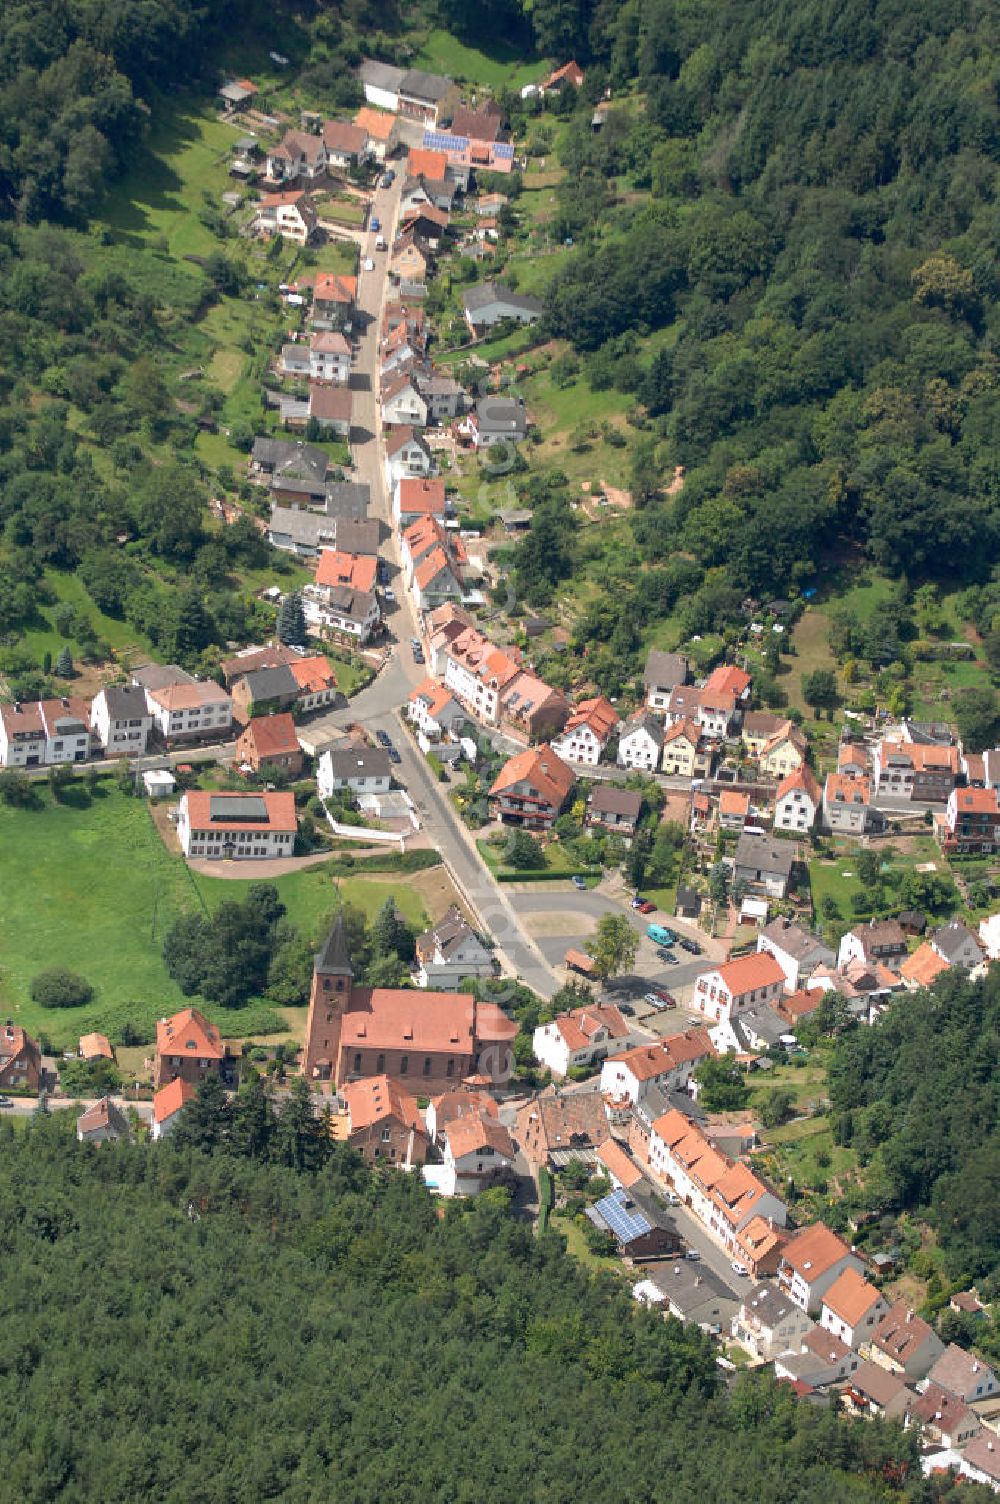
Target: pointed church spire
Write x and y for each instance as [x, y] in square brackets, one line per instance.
[333, 957]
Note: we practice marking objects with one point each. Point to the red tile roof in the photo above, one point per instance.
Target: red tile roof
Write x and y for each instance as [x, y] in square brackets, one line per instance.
[467, 1135]
[748, 973]
[313, 674]
[813, 1250]
[422, 494]
[280, 812]
[95, 1047]
[332, 287]
[334, 567]
[189, 1033]
[171, 1098]
[851, 1296]
[272, 735]
[803, 779]
[614, 1158]
[542, 769]
[377, 1098]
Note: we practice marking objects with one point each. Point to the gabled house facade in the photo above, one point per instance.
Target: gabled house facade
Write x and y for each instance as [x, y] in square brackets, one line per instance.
[531, 789]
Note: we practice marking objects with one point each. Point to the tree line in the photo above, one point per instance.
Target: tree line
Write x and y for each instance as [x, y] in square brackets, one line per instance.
[266, 1324]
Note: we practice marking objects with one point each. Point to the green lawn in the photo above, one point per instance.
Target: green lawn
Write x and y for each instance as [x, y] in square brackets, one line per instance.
[504, 66]
[311, 896]
[558, 862]
[184, 157]
[89, 885]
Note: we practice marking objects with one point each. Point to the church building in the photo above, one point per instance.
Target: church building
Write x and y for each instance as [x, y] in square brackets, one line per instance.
[406, 1034]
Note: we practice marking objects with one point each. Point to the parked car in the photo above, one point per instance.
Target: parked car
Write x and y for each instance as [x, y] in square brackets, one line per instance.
[369, 264]
[660, 935]
[418, 654]
[653, 999]
[6, 1102]
[691, 946]
[670, 959]
[666, 1001]
[626, 1009]
[646, 907]
[389, 594]
[388, 178]
[692, 1254]
[672, 1199]
[664, 954]
[383, 738]
[740, 1269]
[376, 223]
[638, 901]
[394, 756]
[579, 882]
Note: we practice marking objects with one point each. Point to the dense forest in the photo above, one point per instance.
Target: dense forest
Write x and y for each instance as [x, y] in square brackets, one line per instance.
[799, 204]
[918, 1096]
[194, 1326]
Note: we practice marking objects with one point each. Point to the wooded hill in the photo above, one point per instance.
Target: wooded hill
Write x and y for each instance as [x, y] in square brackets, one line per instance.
[247, 1324]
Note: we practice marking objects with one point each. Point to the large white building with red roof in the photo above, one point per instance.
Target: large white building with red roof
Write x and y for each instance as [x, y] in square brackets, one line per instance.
[666, 1064]
[736, 986]
[239, 827]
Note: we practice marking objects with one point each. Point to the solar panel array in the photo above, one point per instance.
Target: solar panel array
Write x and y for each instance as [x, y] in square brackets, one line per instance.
[503, 149]
[622, 1216]
[442, 141]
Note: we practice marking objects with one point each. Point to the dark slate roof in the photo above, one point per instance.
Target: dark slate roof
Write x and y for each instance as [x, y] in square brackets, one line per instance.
[359, 536]
[952, 939]
[765, 854]
[125, 701]
[503, 415]
[272, 683]
[161, 675]
[381, 75]
[333, 957]
[665, 670]
[242, 807]
[365, 762]
[348, 499]
[485, 293]
[416, 84]
[612, 801]
[290, 458]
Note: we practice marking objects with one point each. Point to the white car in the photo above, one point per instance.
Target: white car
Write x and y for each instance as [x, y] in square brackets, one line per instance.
[390, 595]
[369, 264]
[740, 1269]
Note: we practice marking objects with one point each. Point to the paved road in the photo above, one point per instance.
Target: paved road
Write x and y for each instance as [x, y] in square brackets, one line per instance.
[24, 1106]
[377, 707]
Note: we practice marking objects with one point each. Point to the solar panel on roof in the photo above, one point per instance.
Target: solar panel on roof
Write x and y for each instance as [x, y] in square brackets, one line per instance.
[444, 141]
[503, 149]
[622, 1216]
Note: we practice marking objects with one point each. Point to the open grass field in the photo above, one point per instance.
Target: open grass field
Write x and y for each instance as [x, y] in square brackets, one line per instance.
[183, 158]
[441, 52]
[89, 885]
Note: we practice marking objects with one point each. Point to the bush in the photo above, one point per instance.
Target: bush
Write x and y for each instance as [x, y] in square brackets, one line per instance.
[59, 988]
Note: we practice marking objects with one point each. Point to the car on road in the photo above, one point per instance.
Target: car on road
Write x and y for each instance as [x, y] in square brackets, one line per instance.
[646, 907]
[394, 756]
[369, 264]
[418, 654]
[414, 642]
[388, 178]
[6, 1102]
[637, 901]
[672, 1198]
[579, 882]
[692, 1255]
[376, 223]
[383, 738]
[389, 594]
[740, 1269]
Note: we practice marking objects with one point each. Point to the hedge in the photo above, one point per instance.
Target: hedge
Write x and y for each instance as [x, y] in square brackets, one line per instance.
[389, 861]
[546, 875]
